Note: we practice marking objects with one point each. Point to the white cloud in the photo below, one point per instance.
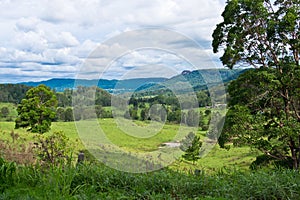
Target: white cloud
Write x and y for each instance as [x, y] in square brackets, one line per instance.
[30, 41]
[62, 40]
[59, 35]
[27, 24]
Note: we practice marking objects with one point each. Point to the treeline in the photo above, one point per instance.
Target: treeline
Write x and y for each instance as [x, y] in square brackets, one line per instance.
[83, 103]
[90, 102]
[168, 108]
[12, 93]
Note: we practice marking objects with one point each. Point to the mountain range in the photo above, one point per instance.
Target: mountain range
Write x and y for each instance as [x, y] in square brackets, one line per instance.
[198, 79]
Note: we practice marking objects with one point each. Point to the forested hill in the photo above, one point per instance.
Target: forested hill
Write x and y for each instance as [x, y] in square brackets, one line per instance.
[117, 86]
[196, 78]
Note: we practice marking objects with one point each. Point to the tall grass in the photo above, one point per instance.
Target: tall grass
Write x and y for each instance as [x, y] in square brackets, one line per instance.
[95, 181]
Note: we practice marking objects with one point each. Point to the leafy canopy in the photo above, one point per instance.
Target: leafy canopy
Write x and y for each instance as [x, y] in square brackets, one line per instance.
[37, 110]
[264, 102]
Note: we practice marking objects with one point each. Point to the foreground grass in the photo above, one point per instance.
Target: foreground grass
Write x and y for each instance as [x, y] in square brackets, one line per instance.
[94, 181]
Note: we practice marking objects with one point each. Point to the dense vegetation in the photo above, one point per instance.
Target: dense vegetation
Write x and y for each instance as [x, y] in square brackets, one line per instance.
[12, 93]
[264, 106]
[91, 181]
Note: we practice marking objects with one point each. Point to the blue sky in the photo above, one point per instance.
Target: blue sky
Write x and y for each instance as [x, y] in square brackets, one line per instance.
[53, 39]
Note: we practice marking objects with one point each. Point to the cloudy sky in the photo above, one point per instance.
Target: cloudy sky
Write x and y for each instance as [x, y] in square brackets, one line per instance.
[42, 39]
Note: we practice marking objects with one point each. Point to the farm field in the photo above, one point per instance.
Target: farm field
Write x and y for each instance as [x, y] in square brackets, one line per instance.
[216, 159]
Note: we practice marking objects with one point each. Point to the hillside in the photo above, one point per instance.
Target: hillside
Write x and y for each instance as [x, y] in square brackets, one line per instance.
[113, 86]
[197, 79]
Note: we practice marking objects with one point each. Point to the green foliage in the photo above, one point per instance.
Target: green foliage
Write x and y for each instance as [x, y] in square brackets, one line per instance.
[192, 118]
[264, 113]
[68, 115]
[54, 149]
[264, 102]
[7, 172]
[12, 93]
[8, 112]
[99, 182]
[258, 33]
[4, 112]
[37, 110]
[191, 146]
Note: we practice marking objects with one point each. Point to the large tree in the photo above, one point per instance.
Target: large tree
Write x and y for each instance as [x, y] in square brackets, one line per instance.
[37, 110]
[264, 102]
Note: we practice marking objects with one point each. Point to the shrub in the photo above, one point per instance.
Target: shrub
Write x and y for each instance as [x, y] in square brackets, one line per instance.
[53, 150]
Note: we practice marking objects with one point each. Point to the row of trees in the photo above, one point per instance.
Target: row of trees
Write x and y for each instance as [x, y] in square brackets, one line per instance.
[170, 99]
[68, 114]
[171, 114]
[12, 93]
[39, 108]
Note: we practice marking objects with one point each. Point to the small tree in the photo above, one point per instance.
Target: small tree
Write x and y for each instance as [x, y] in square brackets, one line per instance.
[60, 114]
[53, 150]
[191, 146]
[37, 110]
[69, 115]
[4, 111]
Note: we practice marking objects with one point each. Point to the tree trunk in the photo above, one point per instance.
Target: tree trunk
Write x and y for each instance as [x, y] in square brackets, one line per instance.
[294, 152]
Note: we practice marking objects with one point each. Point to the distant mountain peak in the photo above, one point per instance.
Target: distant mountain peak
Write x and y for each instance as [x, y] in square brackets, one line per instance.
[185, 72]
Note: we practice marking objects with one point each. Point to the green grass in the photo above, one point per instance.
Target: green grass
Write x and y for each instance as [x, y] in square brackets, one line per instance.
[90, 181]
[224, 173]
[216, 159]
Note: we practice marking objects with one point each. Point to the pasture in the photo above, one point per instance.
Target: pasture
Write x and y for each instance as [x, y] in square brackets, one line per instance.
[236, 157]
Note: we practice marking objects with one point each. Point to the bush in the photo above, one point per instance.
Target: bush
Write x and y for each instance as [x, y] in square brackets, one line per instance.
[53, 150]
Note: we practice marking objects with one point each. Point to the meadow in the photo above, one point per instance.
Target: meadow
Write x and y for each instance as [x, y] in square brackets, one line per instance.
[237, 157]
[221, 174]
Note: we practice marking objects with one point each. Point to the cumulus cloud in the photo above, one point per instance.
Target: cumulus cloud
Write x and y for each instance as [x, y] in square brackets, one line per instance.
[46, 37]
[30, 41]
[27, 24]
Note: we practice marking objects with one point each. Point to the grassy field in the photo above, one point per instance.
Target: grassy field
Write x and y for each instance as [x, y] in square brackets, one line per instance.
[224, 174]
[217, 158]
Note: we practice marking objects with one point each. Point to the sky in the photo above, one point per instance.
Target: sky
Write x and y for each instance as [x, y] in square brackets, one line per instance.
[112, 39]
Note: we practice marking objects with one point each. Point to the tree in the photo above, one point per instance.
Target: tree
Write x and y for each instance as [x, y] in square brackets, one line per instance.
[37, 110]
[4, 111]
[259, 33]
[191, 146]
[133, 113]
[264, 102]
[144, 114]
[69, 116]
[60, 114]
[192, 118]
